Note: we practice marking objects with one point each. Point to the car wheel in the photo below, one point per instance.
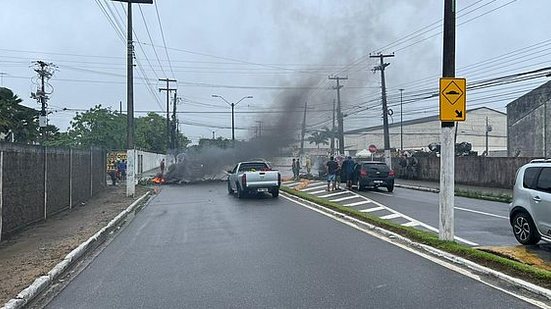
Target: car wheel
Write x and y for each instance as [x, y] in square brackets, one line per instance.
[524, 229]
[230, 190]
[275, 193]
[240, 193]
[359, 185]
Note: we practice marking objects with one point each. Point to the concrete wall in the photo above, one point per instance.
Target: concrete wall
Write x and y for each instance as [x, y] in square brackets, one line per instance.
[37, 182]
[420, 135]
[475, 171]
[147, 161]
[528, 120]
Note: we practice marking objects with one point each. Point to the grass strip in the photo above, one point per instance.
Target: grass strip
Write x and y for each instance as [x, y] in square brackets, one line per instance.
[517, 269]
[504, 198]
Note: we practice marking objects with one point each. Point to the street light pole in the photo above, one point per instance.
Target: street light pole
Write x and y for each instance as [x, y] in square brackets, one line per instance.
[232, 112]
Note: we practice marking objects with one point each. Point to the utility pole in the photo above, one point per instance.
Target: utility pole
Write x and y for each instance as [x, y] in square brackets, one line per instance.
[174, 124]
[303, 131]
[168, 90]
[339, 112]
[401, 120]
[213, 135]
[333, 130]
[488, 130]
[2, 74]
[120, 107]
[447, 154]
[45, 72]
[130, 182]
[232, 112]
[381, 67]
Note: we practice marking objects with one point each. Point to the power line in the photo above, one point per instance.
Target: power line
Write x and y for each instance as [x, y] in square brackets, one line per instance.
[163, 37]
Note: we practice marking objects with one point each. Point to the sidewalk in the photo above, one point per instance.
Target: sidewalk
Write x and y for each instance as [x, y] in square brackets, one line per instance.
[434, 187]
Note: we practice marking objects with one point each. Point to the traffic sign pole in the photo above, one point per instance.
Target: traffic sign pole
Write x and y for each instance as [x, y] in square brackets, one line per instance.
[447, 154]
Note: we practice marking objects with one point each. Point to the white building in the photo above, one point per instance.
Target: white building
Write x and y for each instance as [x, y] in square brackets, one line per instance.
[417, 134]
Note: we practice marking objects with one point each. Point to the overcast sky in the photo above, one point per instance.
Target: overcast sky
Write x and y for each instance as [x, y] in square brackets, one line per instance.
[237, 48]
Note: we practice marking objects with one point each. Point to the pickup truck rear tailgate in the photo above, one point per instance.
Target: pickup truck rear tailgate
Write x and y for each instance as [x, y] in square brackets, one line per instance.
[266, 179]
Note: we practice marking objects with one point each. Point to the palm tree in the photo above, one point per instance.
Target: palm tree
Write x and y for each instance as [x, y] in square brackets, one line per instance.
[318, 138]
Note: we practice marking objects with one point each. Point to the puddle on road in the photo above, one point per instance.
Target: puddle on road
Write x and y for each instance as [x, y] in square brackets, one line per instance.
[538, 255]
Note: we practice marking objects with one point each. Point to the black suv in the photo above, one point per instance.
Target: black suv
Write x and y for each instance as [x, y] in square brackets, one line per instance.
[374, 174]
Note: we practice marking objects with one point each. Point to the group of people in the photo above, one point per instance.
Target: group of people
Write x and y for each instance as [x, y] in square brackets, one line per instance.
[119, 173]
[337, 169]
[296, 167]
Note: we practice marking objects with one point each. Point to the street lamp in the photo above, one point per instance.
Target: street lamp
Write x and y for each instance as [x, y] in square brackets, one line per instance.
[232, 112]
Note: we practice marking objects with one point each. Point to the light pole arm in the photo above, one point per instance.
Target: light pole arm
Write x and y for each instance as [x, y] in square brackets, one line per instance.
[221, 97]
[243, 98]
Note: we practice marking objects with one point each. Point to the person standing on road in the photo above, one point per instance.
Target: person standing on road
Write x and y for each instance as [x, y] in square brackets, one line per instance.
[308, 166]
[294, 168]
[298, 169]
[162, 166]
[332, 168]
[348, 171]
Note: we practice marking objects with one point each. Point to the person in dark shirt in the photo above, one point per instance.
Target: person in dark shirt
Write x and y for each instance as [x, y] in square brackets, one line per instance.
[332, 167]
[348, 171]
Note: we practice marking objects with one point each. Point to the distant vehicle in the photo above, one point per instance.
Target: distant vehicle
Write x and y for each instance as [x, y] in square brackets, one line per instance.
[373, 174]
[253, 177]
[530, 211]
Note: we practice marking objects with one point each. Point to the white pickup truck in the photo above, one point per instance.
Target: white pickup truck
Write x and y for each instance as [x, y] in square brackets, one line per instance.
[253, 177]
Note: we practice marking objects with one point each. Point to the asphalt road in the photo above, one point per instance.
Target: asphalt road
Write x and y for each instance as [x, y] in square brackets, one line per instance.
[197, 247]
[480, 221]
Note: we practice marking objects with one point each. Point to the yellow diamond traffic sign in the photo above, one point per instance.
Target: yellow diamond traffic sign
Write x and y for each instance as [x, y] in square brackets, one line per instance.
[453, 93]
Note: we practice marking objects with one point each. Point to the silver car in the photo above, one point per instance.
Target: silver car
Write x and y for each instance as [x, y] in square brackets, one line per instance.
[530, 211]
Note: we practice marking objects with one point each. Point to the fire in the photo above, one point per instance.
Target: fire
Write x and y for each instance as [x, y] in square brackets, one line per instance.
[158, 180]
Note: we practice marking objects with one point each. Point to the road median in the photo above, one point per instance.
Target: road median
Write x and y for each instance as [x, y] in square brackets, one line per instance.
[537, 280]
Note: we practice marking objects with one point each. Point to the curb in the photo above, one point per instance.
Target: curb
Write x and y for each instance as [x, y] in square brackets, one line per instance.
[418, 188]
[43, 282]
[426, 249]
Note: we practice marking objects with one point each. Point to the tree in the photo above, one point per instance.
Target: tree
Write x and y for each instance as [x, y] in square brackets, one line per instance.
[151, 133]
[20, 120]
[318, 138]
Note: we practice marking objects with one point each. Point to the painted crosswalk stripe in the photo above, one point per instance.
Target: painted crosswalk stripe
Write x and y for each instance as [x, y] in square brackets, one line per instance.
[391, 216]
[357, 203]
[372, 209]
[318, 192]
[334, 194]
[411, 224]
[340, 199]
[310, 188]
[292, 183]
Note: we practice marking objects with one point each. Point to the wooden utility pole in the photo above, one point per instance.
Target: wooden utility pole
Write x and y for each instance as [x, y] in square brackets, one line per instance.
[333, 131]
[303, 130]
[168, 90]
[339, 112]
[381, 67]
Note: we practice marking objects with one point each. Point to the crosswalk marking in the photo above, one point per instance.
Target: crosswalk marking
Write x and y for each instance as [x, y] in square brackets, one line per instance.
[318, 192]
[391, 216]
[357, 203]
[411, 224]
[334, 194]
[340, 199]
[372, 209]
[310, 188]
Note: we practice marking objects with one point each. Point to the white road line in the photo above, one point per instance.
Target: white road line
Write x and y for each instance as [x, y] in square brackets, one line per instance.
[357, 203]
[344, 198]
[334, 194]
[391, 216]
[309, 188]
[372, 209]
[433, 259]
[318, 192]
[289, 182]
[411, 224]
[481, 213]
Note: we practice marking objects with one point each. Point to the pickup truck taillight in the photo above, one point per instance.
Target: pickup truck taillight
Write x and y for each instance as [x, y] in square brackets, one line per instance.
[363, 172]
[391, 173]
[278, 179]
[244, 180]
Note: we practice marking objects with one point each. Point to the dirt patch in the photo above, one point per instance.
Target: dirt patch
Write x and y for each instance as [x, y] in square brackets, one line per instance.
[522, 254]
[34, 251]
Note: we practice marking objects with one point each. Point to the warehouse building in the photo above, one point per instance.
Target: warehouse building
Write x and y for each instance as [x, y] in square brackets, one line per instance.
[417, 134]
